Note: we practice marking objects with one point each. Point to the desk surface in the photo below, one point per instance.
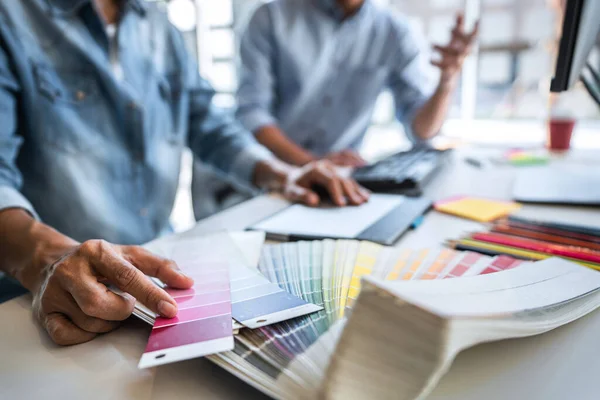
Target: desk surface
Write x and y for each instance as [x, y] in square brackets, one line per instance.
[557, 365]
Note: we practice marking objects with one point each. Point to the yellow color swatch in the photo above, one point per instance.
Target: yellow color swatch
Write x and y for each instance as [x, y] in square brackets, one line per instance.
[478, 209]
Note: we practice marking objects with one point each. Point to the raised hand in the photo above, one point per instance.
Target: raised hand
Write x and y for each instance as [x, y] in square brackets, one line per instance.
[452, 56]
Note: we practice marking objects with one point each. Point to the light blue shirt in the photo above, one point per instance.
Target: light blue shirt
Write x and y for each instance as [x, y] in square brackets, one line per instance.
[317, 76]
[92, 154]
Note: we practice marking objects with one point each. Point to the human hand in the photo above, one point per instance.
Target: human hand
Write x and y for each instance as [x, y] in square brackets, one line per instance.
[453, 55]
[343, 191]
[73, 304]
[346, 158]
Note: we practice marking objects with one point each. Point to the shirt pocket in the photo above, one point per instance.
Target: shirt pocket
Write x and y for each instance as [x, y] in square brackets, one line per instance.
[169, 118]
[71, 116]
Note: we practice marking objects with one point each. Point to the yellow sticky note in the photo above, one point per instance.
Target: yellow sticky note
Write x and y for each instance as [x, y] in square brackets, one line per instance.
[478, 209]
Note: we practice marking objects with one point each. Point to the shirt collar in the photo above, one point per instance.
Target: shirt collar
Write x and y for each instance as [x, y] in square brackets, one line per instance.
[333, 9]
[71, 7]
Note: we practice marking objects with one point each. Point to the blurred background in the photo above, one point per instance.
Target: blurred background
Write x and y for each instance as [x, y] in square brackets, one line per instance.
[504, 87]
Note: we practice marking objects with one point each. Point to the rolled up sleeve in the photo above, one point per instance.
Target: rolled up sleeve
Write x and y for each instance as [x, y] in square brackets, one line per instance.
[411, 81]
[10, 142]
[12, 198]
[256, 90]
[221, 141]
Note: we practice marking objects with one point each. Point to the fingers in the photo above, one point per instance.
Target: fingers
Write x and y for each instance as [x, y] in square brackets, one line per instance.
[341, 190]
[352, 193]
[96, 300]
[364, 193]
[346, 158]
[63, 332]
[353, 158]
[460, 22]
[461, 40]
[325, 176]
[475, 31]
[165, 270]
[88, 323]
[302, 195]
[448, 51]
[131, 280]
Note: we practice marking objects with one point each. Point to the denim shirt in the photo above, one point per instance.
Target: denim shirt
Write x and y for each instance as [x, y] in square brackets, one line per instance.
[317, 75]
[92, 155]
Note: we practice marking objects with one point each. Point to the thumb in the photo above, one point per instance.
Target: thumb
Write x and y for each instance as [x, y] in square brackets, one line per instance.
[303, 195]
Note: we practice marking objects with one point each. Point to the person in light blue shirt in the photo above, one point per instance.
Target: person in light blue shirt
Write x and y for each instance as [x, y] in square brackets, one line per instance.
[311, 71]
[98, 98]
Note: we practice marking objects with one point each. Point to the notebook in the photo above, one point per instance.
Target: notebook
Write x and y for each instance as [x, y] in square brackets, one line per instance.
[476, 208]
[383, 219]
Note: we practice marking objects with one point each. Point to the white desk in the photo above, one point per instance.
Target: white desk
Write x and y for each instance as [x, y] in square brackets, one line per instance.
[558, 365]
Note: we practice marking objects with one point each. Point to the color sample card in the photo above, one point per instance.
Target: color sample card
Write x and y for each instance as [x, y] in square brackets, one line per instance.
[257, 302]
[501, 263]
[203, 323]
[475, 208]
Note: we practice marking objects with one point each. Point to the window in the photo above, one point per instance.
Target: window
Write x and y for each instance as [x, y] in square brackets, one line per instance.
[515, 58]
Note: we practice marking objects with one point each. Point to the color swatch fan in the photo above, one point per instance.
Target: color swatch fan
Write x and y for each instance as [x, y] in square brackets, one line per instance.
[227, 295]
[288, 359]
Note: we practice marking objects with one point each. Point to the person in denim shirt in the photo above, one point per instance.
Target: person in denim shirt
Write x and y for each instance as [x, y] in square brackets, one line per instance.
[98, 98]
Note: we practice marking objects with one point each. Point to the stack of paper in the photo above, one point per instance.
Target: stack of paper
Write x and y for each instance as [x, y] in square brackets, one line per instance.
[289, 359]
[403, 336]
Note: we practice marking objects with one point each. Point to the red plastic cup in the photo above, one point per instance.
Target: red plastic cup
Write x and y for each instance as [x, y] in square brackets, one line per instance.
[560, 131]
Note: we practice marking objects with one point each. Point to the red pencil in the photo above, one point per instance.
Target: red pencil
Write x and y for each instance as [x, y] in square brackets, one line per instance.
[512, 231]
[542, 247]
[553, 231]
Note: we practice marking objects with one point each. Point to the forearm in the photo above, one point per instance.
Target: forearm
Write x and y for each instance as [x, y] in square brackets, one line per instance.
[28, 245]
[430, 118]
[275, 140]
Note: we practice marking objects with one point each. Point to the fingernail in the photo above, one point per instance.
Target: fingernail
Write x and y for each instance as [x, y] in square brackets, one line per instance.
[167, 309]
[342, 201]
[180, 272]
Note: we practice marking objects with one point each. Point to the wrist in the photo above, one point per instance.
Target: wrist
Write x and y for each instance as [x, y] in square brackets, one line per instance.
[47, 247]
[271, 175]
[448, 84]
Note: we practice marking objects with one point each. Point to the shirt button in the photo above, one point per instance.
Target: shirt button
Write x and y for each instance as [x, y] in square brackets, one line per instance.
[80, 95]
[143, 212]
[327, 101]
[132, 106]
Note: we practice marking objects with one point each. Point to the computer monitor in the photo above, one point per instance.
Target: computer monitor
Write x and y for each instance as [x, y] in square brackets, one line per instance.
[579, 52]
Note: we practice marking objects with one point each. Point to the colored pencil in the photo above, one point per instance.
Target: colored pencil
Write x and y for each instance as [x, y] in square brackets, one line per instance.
[542, 247]
[553, 231]
[509, 230]
[585, 230]
[495, 249]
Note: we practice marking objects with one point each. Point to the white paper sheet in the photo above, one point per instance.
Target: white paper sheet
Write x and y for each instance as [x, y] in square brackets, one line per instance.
[537, 285]
[335, 222]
